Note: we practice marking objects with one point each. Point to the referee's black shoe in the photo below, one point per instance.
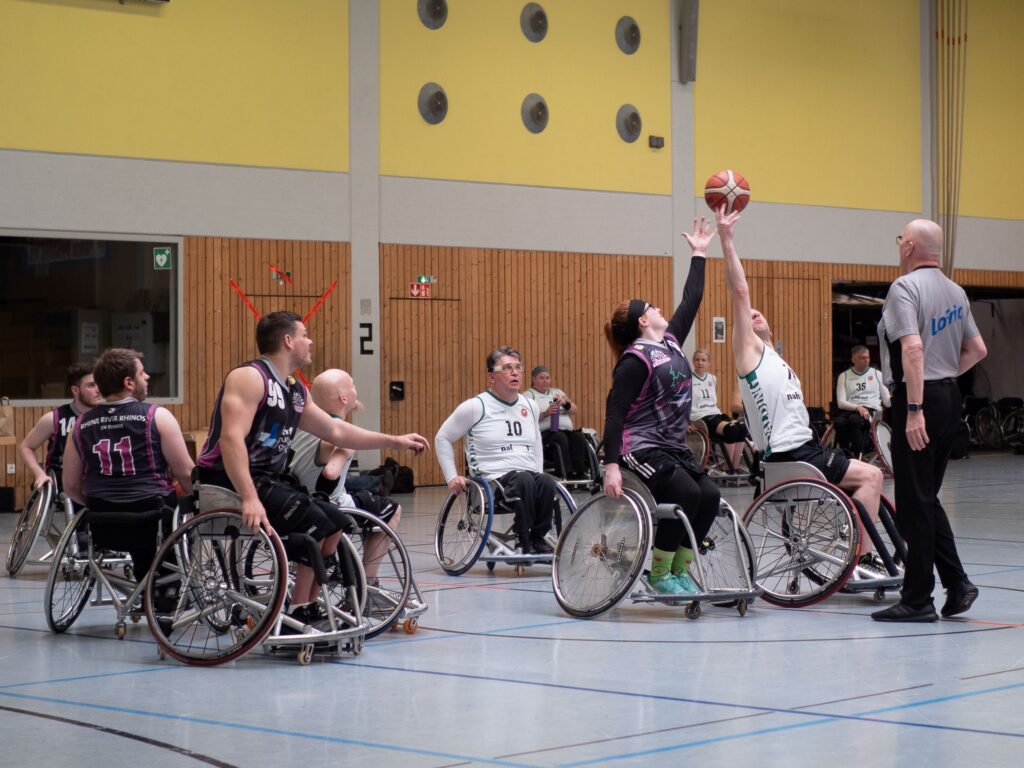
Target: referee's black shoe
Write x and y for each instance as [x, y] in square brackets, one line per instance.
[904, 612]
[959, 599]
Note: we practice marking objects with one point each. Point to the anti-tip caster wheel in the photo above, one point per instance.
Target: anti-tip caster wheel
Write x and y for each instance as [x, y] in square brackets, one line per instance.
[305, 654]
[490, 566]
[409, 626]
[119, 630]
[161, 653]
[879, 595]
[741, 607]
[520, 569]
[693, 610]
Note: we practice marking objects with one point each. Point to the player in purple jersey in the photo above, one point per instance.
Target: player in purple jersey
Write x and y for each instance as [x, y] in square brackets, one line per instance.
[258, 410]
[648, 413]
[123, 453]
[54, 427]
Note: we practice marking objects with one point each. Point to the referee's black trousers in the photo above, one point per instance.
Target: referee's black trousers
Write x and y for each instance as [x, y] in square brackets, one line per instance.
[918, 477]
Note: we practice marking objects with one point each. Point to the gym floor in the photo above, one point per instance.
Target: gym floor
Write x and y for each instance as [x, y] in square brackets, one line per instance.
[499, 675]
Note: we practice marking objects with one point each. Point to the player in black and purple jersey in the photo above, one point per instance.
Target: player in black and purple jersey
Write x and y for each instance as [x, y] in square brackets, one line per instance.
[123, 454]
[54, 427]
[258, 410]
[648, 413]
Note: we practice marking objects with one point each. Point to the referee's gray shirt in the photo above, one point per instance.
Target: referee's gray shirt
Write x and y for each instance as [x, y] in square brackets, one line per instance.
[927, 303]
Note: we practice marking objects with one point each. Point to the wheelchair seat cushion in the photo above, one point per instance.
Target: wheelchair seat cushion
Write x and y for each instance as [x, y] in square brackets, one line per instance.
[831, 462]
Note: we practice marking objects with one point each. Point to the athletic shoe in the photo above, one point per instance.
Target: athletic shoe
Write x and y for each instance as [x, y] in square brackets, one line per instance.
[667, 585]
[871, 566]
[688, 585]
[959, 600]
[541, 547]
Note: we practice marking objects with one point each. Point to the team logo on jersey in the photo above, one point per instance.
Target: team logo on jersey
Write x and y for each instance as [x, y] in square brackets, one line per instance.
[524, 412]
[871, 377]
[659, 358]
[298, 402]
[269, 439]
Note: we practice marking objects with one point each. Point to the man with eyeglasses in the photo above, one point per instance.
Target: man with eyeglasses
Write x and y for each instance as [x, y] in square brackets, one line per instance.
[503, 443]
[928, 338]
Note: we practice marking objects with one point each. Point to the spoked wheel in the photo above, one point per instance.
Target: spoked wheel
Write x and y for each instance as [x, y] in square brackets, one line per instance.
[462, 528]
[600, 554]
[700, 446]
[349, 594]
[805, 535]
[388, 571]
[70, 580]
[1013, 429]
[215, 596]
[727, 555]
[33, 518]
[828, 439]
[988, 428]
[881, 436]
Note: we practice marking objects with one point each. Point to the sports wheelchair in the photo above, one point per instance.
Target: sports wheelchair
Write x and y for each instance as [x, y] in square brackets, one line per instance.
[712, 454]
[218, 589]
[466, 528]
[555, 464]
[46, 513]
[89, 565]
[603, 549]
[806, 533]
[881, 444]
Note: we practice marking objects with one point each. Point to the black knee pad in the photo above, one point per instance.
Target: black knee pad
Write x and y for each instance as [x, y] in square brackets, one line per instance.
[735, 432]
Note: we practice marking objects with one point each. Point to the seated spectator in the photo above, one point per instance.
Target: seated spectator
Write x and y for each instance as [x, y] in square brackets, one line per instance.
[556, 427]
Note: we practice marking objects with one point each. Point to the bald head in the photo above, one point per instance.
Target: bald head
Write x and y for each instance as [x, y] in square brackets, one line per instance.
[334, 391]
[924, 242]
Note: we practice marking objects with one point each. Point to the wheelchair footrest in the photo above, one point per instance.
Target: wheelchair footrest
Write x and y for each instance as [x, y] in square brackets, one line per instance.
[723, 596]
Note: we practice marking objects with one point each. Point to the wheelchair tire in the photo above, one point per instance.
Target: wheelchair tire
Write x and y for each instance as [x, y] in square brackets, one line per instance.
[881, 436]
[989, 430]
[805, 535]
[463, 526]
[600, 554]
[828, 440]
[726, 562]
[34, 517]
[70, 581]
[213, 579]
[698, 443]
[344, 597]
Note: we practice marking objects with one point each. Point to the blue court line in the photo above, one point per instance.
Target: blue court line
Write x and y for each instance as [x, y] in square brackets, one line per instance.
[97, 676]
[270, 731]
[451, 635]
[825, 718]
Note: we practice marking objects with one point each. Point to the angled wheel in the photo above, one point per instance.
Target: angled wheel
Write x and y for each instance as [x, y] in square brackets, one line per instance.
[463, 527]
[988, 428]
[600, 554]
[697, 441]
[805, 535]
[881, 436]
[70, 581]
[829, 438]
[727, 554]
[387, 568]
[34, 517]
[207, 600]
[1012, 428]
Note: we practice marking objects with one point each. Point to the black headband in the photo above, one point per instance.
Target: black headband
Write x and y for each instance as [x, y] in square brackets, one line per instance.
[637, 307]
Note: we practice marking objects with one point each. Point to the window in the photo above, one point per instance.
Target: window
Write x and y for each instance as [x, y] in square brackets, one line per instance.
[66, 298]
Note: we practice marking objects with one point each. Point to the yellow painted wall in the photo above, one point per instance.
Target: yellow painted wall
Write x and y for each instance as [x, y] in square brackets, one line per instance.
[487, 66]
[992, 180]
[246, 82]
[817, 103]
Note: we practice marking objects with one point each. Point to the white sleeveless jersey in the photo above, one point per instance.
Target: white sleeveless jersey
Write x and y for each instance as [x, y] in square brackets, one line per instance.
[705, 396]
[863, 388]
[774, 403]
[504, 438]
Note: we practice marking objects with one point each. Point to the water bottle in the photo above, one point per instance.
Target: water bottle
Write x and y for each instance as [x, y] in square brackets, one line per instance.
[554, 420]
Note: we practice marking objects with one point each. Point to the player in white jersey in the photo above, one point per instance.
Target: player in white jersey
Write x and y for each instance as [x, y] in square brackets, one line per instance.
[774, 401]
[732, 432]
[503, 443]
[860, 395]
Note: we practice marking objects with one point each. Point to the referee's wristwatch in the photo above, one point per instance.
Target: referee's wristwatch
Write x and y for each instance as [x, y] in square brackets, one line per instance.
[913, 407]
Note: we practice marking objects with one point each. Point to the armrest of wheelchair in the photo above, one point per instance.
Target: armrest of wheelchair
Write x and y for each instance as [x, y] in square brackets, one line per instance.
[214, 497]
[666, 511]
[310, 548]
[781, 471]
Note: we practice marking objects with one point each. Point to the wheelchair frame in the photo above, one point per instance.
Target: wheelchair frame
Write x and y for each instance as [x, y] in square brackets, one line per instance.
[39, 516]
[621, 555]
[594, 466]
[705, 448]
[881, 456]
[463, 515]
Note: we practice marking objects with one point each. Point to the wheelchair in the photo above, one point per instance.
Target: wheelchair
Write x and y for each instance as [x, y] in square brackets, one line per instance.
[555, 464]
[218, 589]
[604, 547]
[806, 533]
[712, 454]
[881, 445]
[89, 566]
[46, 513]
[466, 529]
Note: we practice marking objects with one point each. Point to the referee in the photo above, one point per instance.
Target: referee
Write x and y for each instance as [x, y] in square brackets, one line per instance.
[928, 338]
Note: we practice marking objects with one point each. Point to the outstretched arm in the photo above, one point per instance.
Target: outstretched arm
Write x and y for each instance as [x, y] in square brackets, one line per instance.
[693, 292]
[746, 346]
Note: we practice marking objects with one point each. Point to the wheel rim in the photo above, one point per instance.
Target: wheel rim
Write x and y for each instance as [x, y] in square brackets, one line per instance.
[388, 572]
[600, 554]
[30, 522]
[805, 541]
[883, 444]
[727, 563]
[69, 582]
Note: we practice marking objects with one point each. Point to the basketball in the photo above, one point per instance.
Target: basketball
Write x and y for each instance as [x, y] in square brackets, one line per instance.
[727, 187]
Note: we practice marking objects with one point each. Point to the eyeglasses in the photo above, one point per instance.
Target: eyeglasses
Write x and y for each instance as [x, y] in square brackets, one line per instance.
[508, 368]
[899, 239]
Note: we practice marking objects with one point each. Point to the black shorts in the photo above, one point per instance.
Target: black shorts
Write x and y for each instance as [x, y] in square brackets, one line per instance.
[291, 509]
[381, 506]
[653, 464]
[832, 463]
